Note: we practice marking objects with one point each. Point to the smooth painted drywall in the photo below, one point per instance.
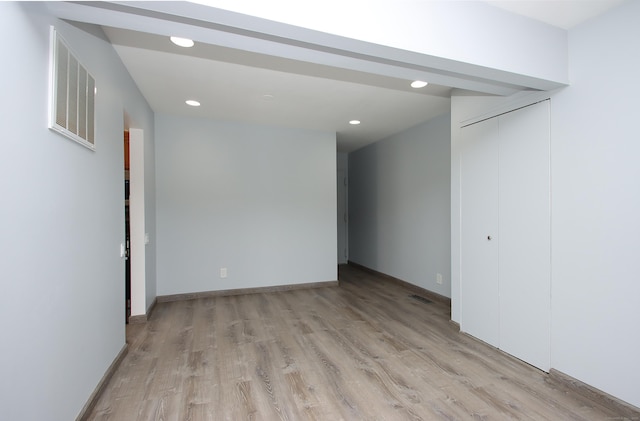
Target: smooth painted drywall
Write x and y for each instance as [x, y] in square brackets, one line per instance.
[259, 201]
[595, 203]
[452, 35]
[399, 205]
[62, 311]
[596, 207]
[461, 44]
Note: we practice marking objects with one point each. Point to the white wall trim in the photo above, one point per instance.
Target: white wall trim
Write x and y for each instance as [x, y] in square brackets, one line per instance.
[137, 222]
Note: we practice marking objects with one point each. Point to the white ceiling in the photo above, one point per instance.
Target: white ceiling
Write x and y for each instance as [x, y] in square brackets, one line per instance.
[561, 13]
[257, 88]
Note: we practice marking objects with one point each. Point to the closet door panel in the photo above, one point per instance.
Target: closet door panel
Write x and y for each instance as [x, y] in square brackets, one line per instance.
[525, 239]
[479, 225]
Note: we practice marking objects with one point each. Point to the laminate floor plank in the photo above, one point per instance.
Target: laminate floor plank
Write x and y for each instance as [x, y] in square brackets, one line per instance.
[365, 350]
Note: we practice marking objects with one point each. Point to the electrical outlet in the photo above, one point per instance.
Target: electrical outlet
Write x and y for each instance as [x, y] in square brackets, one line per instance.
[223, 272]
[439, 278]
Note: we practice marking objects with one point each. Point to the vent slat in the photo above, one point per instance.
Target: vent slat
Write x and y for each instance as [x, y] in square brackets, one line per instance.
[91, 92]
[62, 57]
[82, 103]
[73, 95]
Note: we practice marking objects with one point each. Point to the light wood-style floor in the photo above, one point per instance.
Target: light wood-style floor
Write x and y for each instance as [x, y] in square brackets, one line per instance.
[363, 351]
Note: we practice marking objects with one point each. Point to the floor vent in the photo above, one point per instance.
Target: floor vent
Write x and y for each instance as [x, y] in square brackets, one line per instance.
[419, 298]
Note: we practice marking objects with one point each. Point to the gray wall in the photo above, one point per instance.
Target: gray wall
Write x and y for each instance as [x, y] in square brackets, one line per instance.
[260, 201]
[595, 203]
[453, 36]
[399, 205]
[596, 207]
[61, 222]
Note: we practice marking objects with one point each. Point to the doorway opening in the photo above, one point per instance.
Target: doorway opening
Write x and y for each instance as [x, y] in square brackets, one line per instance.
[127, 228]
[342, 218]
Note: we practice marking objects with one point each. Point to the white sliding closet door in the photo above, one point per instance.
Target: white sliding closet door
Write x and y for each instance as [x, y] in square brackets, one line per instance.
[479, 190]
[525, 234]
[505, 232]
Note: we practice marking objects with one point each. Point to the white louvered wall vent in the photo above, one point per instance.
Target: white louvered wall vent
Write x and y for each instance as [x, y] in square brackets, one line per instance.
[73, 92]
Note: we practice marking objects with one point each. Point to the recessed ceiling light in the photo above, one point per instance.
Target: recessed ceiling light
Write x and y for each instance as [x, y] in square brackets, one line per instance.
[268, 97]
[182, 42]
[418, 84]
[192, 102]
[354, 122]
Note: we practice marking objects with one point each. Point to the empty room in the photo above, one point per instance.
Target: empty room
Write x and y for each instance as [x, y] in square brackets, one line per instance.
[377, 210]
